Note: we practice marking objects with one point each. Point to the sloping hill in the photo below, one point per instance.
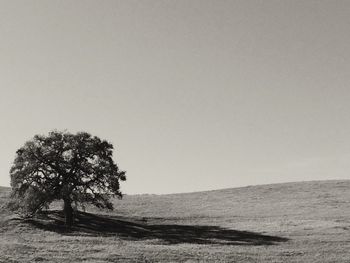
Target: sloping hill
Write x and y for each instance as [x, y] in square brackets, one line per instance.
[4, 195]
[293, 222]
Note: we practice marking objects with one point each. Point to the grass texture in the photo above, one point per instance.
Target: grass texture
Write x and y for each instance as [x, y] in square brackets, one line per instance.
[292, 222]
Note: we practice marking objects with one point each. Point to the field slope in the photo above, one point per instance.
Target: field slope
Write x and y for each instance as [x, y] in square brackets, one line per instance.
[292, 222]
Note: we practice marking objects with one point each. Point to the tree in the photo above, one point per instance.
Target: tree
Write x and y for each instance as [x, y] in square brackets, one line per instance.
[75, 168]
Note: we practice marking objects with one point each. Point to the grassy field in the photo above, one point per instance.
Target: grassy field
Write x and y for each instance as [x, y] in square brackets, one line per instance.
[293, 222]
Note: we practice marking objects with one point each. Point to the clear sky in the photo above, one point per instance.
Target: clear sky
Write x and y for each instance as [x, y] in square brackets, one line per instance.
[194, 95]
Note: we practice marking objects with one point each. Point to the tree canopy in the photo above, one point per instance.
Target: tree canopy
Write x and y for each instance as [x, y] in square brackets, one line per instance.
[76, 168]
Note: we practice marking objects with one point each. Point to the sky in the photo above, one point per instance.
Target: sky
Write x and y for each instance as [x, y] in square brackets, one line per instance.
[194, 95]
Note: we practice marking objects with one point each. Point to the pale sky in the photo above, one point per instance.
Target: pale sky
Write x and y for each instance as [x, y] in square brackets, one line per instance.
[194, 95]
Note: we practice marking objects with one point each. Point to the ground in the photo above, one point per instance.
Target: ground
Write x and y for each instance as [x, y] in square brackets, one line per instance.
[293, 222]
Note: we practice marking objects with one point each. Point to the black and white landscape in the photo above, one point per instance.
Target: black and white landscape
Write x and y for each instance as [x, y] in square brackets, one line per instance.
[174, 131]
[293, 222]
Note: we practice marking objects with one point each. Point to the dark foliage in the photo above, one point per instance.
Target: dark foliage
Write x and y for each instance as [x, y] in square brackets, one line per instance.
[76, 168]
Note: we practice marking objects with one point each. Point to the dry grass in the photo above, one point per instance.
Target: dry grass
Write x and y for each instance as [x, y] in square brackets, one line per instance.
[295, 222]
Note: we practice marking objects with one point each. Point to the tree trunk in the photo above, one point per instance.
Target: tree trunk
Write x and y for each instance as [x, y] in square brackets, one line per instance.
[68, 212]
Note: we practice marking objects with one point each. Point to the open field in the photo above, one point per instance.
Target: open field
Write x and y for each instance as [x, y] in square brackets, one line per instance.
[293, 222]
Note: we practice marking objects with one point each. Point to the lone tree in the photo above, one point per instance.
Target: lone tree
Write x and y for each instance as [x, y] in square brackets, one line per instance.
[76, 168]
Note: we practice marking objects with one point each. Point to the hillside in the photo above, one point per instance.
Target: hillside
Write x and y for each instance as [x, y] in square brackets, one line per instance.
[292, 222]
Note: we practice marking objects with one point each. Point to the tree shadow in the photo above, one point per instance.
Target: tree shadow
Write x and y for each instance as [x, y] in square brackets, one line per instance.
[139, 229]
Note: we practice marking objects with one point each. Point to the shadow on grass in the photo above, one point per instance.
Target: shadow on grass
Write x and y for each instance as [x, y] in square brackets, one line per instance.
[137, 229]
